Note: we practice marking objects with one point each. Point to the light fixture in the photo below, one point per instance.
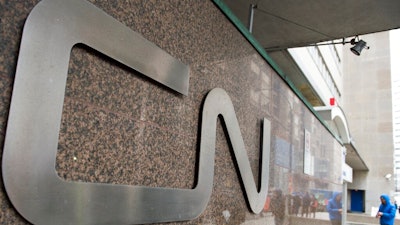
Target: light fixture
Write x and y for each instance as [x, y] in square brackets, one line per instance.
[359, 45]
[388, 176]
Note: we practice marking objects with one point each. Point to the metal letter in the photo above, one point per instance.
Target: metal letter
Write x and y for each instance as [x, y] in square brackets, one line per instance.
[30, 148]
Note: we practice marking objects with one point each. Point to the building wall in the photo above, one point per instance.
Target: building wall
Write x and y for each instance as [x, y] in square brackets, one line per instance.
[395, 71]
[368, 107]
[119, 127]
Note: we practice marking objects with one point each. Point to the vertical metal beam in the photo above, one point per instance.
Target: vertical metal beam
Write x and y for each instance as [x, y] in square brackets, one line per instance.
[344, 203]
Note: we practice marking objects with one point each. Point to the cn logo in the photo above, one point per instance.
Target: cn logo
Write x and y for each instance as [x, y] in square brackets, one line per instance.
[30, 148]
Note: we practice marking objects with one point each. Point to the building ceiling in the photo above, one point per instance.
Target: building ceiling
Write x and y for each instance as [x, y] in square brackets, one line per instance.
[281, 24]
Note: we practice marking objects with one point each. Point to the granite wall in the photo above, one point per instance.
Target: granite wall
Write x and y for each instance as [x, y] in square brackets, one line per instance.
[120, 127]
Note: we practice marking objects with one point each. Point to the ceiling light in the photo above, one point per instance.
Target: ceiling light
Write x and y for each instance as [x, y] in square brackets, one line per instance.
[358, 47]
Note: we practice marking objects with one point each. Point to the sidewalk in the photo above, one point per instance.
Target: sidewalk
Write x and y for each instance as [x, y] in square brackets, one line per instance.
[366, 219]
[321, 218]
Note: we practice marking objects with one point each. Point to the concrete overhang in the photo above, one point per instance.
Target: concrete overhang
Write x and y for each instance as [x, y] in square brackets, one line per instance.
[353, 158]
[336, 119]
[282, 24]
[296, 76]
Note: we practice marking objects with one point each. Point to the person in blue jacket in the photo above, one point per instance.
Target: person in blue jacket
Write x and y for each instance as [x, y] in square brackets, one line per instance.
[334, 208]
[386, 212]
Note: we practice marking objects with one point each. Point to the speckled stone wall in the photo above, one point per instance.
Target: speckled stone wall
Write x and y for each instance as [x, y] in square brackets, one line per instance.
[120, 127]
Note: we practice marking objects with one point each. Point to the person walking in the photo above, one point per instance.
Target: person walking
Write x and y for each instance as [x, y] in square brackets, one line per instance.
[296, 204]
[278, 206]
[305, 204]
[313, 206]
[334, 208]
[386, 212]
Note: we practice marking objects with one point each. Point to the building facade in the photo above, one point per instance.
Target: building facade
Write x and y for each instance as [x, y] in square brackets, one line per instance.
[133, 112]
[368, 106]
[361, 86]
[395, 72]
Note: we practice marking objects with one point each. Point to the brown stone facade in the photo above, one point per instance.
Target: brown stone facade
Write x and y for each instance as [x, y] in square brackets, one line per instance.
[120, 127]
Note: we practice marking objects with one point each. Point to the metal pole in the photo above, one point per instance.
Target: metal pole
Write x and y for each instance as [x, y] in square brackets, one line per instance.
[251, 16]
[344, 203]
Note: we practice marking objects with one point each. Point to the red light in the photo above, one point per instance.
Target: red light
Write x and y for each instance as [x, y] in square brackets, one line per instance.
[332, 101]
